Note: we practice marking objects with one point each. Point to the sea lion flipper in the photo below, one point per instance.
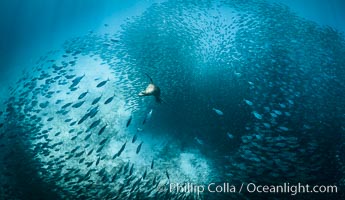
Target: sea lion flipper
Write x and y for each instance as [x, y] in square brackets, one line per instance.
[158, 99]
[151, 81]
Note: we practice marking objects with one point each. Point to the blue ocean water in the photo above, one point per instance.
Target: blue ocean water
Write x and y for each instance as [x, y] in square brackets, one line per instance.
[130, 99]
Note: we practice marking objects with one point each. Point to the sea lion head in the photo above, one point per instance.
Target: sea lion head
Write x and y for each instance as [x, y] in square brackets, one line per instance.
[151, 90]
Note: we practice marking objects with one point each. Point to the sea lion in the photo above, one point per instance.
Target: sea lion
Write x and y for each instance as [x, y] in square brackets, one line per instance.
[151, 90]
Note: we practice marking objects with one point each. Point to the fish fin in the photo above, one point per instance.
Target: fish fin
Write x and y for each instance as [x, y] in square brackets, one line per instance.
[151, 81]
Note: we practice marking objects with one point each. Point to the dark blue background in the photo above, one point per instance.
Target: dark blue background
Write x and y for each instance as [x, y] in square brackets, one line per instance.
[32, 27]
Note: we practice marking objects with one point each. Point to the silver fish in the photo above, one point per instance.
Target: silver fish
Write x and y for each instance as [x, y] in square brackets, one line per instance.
[148, 116]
